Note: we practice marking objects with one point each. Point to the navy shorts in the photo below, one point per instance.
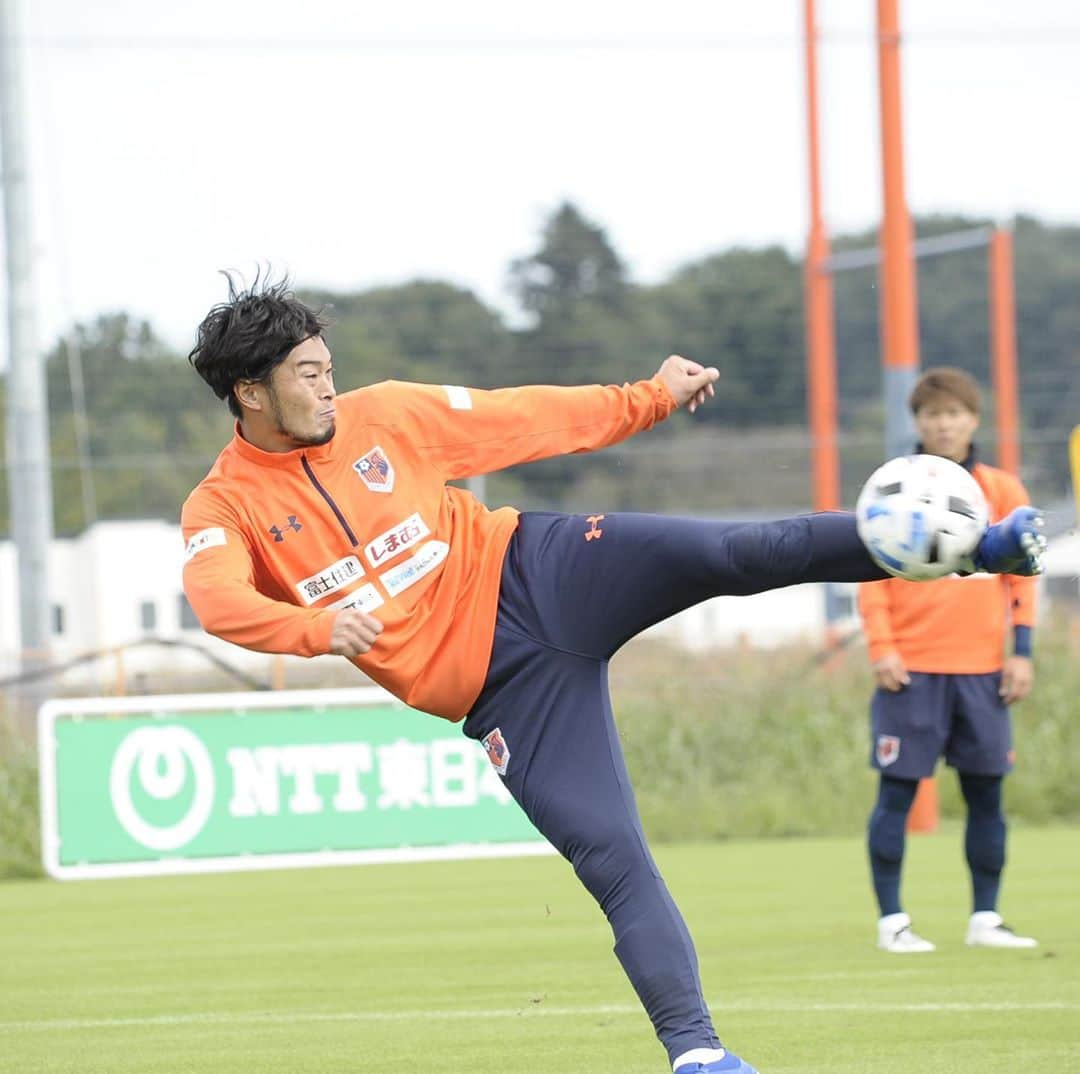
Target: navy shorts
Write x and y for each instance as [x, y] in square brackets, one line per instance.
[959, 717]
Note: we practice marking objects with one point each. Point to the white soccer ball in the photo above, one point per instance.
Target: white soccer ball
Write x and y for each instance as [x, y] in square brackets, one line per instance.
[921, 516]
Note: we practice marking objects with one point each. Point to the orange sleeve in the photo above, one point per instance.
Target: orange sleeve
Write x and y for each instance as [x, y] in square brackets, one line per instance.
[1022, 592]
[220, 585]
[873, 599]
[1010, 494]
[466, 431]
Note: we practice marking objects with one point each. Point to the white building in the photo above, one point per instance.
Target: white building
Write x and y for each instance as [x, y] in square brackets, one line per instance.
[119, 583]
[115, 585]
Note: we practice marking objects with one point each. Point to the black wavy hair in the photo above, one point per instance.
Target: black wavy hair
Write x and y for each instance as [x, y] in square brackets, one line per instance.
[250, 335]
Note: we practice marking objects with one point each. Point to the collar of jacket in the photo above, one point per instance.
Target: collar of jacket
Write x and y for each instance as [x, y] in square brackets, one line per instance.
[280, 459]
[968, 463]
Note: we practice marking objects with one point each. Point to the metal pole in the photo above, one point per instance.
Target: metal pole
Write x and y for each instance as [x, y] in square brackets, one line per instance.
[899, 307]
[950, 242]
[82, 428]
[820, 330]
[30, 484]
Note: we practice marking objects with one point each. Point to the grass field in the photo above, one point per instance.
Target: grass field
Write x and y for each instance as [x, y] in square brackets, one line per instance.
[477, 967]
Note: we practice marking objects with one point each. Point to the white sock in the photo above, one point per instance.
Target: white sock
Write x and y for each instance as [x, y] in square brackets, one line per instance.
[699, 1055]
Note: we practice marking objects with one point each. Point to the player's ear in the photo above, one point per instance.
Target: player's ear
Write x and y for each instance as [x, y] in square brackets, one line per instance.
[247, 394]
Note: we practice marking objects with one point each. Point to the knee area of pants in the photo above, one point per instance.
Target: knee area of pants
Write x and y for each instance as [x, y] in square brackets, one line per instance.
[982, 794]
[613, 855]
[772, 547]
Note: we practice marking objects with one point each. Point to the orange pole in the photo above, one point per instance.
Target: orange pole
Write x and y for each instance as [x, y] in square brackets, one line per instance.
[924, 810]
[820, 330]
[899, 306]
[1003, 349]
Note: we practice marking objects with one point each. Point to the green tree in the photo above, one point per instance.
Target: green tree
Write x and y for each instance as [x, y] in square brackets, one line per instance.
[575, 263]
[580, 306]
[425, 330]
[740, 311]
[953, 299]
[154, 427]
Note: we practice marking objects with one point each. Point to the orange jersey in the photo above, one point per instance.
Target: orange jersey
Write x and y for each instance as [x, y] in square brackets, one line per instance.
[954, 625]
[278, 543]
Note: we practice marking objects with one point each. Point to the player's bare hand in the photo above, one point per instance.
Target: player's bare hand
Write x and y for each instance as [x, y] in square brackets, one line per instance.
[1017, 678]
[690, 384]
[354, 632]
[890, 673]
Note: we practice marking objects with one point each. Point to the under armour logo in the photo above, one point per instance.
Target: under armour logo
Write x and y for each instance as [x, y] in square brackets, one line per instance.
[595, 533]
[279, 533]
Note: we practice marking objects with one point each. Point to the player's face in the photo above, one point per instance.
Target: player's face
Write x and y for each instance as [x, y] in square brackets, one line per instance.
[300, 395]
[945, 427]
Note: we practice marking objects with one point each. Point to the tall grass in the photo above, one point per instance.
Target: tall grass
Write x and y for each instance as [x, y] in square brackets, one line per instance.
[736, 743]
[20, 847]
[756, 743]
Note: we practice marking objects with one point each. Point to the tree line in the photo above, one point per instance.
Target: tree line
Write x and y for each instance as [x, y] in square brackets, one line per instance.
[155, 428]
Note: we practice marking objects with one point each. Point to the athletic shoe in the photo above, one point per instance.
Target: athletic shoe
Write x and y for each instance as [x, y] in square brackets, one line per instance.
[730, 1064]
[986, 929]
[1015, 545]
[895, 936]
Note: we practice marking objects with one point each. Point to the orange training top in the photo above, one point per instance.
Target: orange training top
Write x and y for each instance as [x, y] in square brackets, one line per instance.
[278, 543]
[954, 625]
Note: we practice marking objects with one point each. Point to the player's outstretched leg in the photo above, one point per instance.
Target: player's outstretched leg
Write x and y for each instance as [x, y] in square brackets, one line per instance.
[597, 581]
[1014, 545]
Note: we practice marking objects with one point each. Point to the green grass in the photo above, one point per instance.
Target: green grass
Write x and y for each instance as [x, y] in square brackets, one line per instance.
[505, 966]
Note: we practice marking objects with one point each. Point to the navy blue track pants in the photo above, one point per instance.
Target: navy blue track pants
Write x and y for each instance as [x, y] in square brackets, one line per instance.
[574, 589]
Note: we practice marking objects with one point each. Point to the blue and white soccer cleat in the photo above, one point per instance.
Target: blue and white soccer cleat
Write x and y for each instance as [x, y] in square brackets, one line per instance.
[1015, 545]
[730, 1064]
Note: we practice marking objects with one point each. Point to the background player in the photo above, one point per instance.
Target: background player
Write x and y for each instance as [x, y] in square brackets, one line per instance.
[944, 686]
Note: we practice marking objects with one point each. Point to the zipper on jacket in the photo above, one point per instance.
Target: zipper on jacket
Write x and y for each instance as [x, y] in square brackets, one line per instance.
[329, 499]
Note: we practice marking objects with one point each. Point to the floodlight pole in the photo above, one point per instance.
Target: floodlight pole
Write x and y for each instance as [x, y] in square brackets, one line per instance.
[899, 307]
[818, 288]
[30, 484]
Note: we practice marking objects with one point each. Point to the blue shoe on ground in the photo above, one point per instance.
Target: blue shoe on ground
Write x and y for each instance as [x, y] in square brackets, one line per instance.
[730, 1064]
[1014, 545]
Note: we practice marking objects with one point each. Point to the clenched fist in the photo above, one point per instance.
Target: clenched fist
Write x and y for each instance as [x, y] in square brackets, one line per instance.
[354, 632]
[690, 384]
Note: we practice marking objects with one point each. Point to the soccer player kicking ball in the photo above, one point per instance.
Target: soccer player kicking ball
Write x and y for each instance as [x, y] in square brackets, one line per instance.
[327, 526]
[944, 686]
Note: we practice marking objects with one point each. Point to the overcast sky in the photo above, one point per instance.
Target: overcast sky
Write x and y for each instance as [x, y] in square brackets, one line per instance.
[356, 143]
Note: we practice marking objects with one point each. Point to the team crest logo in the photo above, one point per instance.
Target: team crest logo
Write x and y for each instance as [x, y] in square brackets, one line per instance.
[497, 750]
[888, 750]
[375, 470]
